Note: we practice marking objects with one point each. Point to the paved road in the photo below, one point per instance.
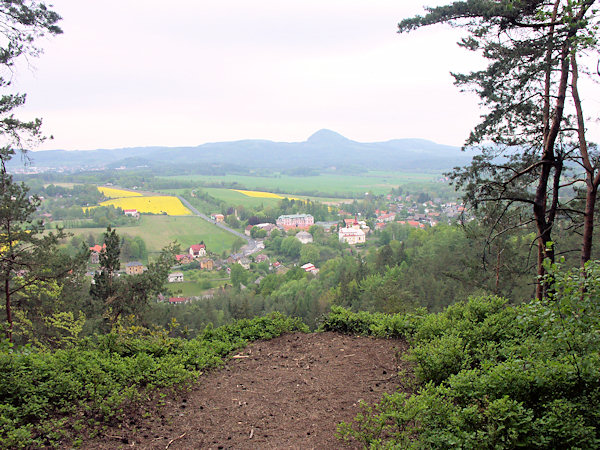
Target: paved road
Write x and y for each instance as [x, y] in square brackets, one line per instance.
[250, 247]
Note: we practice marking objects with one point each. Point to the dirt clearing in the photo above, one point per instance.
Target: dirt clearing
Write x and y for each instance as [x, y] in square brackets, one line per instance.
[288, 392]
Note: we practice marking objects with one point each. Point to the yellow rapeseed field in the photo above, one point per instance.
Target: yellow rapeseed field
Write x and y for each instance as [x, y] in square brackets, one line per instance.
[262, 194]
[258, 194]
[159, 204]
[117, 193]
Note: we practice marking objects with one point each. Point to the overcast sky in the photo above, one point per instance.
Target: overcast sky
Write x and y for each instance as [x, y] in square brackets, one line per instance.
[181, 73]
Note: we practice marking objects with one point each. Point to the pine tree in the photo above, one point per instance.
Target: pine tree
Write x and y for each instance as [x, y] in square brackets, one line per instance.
[531, 131]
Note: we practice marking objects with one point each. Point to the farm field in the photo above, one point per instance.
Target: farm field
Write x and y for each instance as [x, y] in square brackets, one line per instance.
[232, 197]
[160, 204]
[158, 231]
[117, 193]
[328, 185]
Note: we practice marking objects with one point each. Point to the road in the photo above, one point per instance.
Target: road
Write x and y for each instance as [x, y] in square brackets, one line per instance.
[248, 249]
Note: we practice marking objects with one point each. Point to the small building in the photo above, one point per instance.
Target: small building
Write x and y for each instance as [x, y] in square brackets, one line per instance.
[298, 221]
[304, 237]
[261, 258]
[178, 300]
[132, 213]
[176, 277]
[310, 267]
[268, 227]
[206, 263]
[184, 259]
[217, 217]
[197, 250]
[244, 262]
[95, 253]
[134, 268]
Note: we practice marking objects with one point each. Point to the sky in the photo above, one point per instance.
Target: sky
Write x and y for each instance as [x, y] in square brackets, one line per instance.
[182, 73]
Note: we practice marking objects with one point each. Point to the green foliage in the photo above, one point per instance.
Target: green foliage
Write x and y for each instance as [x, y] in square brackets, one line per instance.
[493, 375]
[364, 323]
[101, 375]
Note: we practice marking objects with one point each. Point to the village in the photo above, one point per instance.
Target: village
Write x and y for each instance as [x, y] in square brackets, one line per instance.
[262, 254]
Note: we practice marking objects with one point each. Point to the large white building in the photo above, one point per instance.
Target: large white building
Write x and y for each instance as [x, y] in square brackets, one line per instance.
[300, 221]
[352, 235]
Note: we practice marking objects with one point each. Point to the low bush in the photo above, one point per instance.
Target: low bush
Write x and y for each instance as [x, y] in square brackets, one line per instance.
[100, 376]
[491, 375]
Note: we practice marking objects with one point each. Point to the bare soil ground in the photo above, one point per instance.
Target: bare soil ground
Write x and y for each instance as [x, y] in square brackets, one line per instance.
[288, 392]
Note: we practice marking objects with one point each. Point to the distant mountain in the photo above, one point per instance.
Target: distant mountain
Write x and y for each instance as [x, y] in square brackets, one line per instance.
[324, 149]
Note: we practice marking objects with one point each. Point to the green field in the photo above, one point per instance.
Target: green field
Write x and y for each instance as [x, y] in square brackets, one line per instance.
[158, 231]
[231, 197]
[328, 185]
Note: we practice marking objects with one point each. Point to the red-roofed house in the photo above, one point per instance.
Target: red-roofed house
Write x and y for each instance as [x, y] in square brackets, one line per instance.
[184, 259]
[178, 300]
[95, 253]
[131, 212]
[386, 217]
[197, 250]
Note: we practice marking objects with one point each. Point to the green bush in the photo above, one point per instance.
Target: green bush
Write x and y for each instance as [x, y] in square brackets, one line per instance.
[496, 376]
[100, 376]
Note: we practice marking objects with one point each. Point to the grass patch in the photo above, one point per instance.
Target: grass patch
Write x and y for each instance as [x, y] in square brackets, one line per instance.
[158, 231]
[324, 185]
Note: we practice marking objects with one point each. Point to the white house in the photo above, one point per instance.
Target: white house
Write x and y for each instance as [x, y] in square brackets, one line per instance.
[176, 277]
[197, 250]
[310, 267]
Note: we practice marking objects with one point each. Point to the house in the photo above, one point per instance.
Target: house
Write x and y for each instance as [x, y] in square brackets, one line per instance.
[206, 263]
[310, 267]
[304, 237]
[261, 258]
[349, 222]
[387, 217]
[184, 259]
[244, 262]
[299, 221]
[197, 250]
[95, 253]
[248, 230]
[134, 268]
[176, 277]
[268, 227]
[217, 217]
[178, 300]
[132, 213]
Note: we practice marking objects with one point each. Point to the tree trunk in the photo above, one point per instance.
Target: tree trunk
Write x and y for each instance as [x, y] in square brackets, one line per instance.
[9, 320]
[592, 179]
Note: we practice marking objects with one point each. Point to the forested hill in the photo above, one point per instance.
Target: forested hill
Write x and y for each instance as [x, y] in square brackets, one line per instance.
[324, 149]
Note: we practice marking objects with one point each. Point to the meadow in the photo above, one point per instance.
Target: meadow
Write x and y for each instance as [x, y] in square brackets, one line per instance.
[158, 231]
[325, 185]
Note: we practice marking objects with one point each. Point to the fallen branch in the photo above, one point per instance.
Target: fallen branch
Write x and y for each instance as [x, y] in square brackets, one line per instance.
[173, 440]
